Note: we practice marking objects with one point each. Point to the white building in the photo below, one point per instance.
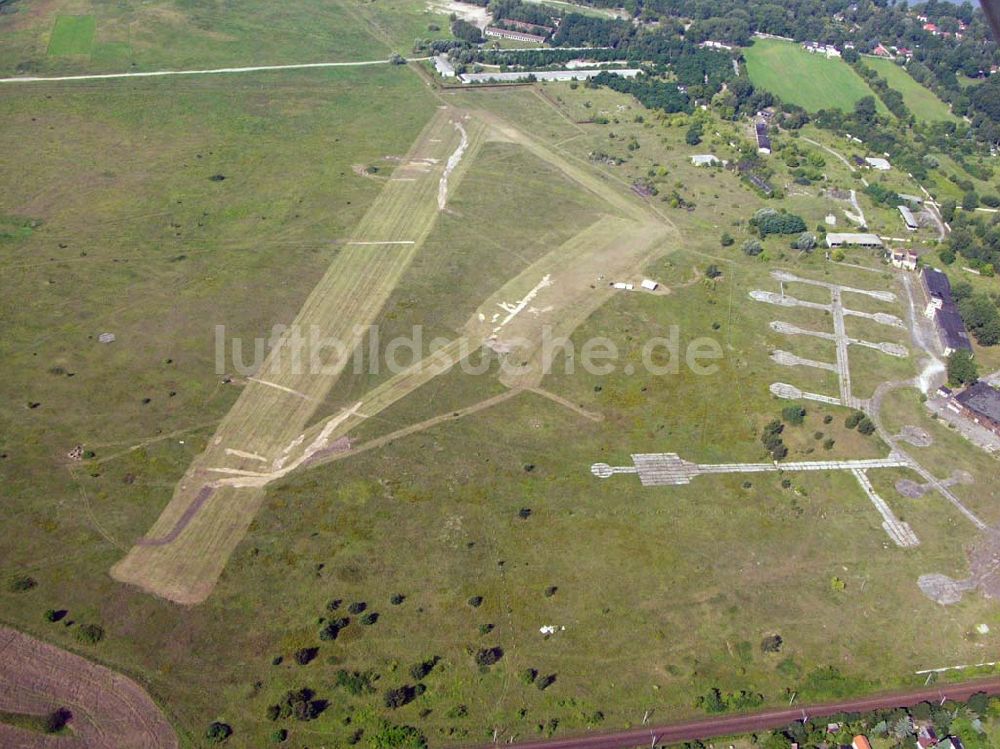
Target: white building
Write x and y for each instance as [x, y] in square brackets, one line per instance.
[821, 49]
[908, 218]
[834, 239]
[520, 36]
[443, 66]
[543, 75]
[649, 284]
[705, 159]
[716, 45]
[877, 162]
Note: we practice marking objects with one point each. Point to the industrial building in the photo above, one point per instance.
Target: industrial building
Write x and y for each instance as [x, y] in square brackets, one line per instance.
[908, 218]
[763, 140]
[941, 308]
[521, 36]
[981, 404]
[835, 239]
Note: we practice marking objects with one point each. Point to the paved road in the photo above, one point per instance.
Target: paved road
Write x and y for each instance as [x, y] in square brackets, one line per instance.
[731, 725]
[209, 71]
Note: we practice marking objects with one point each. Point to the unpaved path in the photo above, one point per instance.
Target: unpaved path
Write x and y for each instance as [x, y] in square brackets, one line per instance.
[110, 711]
[209, 71]
[735, 725]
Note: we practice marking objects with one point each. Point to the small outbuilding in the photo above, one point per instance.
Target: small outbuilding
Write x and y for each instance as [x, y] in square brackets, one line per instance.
[903, 259]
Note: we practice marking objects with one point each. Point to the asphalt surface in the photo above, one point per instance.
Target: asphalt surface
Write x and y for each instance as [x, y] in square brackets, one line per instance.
[731, 725]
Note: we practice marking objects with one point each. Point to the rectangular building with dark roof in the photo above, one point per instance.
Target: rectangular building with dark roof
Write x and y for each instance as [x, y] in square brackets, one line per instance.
[951, 329]
[981, 403]
[938, 289]
[763, 140]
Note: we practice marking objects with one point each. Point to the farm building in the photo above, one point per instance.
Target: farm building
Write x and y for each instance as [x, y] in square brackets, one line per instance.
[763, 140]
[649, 284]
[834, 240]
[877, 162]
[951, 330]
[914, 199]
[443, 66]
[760, 184]
[938, 289]
[903, 259]
[941, 308]
[521, 36]
[705, 159]
[908, 218]
[981, 404]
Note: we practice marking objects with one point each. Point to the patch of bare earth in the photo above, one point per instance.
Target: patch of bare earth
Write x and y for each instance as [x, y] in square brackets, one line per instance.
[108, 709]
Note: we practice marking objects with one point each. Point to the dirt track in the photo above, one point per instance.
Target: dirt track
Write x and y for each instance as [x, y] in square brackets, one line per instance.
[109, 710]
[734, 725]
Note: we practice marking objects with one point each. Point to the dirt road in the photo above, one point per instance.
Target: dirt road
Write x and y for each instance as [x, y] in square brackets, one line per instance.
[209, 71]
[732, 725]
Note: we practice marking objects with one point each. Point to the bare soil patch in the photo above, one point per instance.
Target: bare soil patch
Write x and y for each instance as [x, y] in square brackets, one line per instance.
[108, 709]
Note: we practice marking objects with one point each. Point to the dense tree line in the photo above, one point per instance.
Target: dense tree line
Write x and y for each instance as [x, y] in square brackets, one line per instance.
[652, 93]
[577, 30]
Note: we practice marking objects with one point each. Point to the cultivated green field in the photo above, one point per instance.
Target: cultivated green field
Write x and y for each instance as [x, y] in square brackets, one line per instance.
[468, 517]
[811, 81]
[921, 101]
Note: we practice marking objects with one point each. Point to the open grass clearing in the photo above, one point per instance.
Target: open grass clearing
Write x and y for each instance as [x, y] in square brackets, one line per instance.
[163, 35]
[918, 99]
[71, 36]
[812, 81]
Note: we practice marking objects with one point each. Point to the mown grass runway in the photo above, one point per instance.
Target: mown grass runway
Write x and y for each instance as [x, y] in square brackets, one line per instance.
[259, 433]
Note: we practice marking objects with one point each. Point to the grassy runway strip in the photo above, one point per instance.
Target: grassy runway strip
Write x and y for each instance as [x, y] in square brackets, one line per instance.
[273, 409]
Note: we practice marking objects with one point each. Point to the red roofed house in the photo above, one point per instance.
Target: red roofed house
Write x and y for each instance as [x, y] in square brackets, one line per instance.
[881, 51]
[931, 28]
[860, 742]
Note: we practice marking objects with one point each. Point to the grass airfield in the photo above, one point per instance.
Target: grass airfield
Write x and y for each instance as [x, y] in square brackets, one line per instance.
[663, 592]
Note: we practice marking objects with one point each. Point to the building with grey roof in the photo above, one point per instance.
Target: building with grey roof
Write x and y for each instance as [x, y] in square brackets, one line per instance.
[981, 403]
[951, 330]
[838, 239]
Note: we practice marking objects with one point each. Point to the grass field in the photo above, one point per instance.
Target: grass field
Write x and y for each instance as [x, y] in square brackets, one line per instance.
[466, 488]
[921, 101]
[811, 81]
[45, 38]
[72, 35]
